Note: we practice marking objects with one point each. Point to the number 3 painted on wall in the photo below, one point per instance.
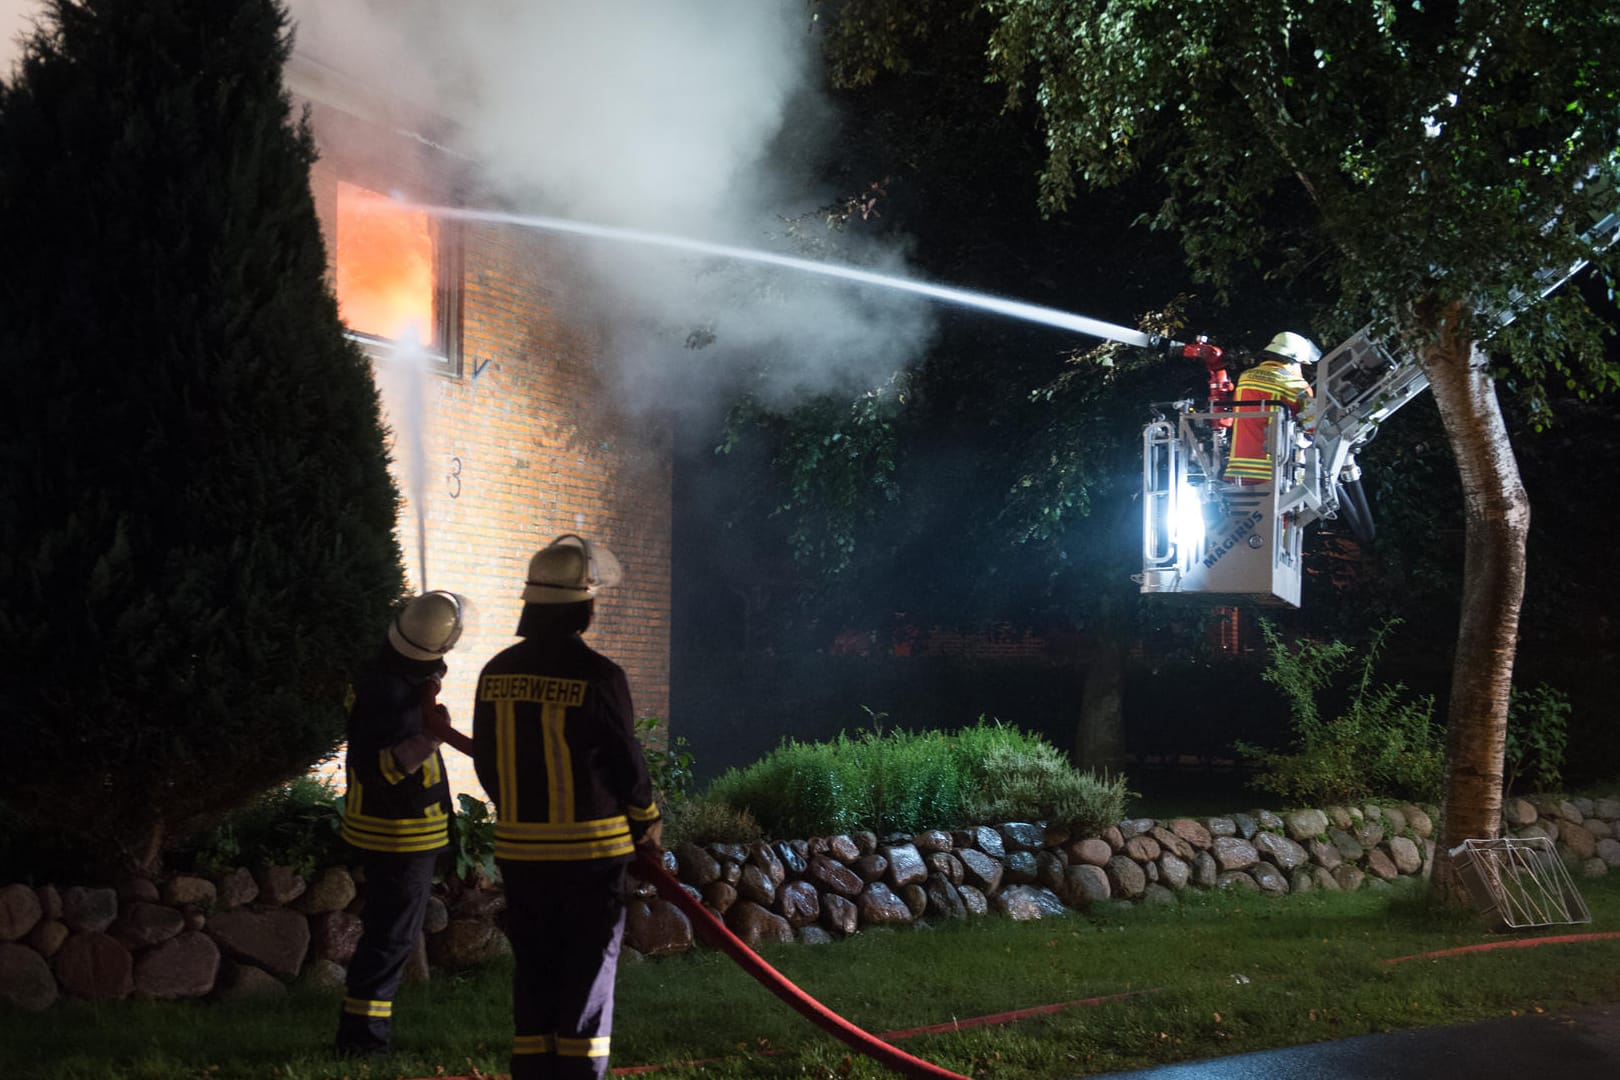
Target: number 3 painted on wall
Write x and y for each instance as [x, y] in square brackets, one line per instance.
[453, 478]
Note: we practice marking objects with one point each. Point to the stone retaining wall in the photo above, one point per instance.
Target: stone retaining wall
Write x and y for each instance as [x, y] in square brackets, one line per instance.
[247, 932]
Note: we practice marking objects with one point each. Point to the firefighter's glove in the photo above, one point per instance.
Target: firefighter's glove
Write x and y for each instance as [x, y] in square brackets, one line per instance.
[652, 839]
[436, 725]
[436, 721]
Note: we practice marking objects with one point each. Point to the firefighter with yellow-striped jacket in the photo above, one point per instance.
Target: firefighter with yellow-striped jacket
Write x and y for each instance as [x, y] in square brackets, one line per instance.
[1276, 379]
[555, 747]
[397, 808]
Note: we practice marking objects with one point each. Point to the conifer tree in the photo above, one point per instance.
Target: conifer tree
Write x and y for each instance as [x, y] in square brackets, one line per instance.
[197, 520]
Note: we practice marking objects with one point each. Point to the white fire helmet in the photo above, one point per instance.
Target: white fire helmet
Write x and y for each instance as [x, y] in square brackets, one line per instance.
[430, 625]
[569, 570]
[1294, 348]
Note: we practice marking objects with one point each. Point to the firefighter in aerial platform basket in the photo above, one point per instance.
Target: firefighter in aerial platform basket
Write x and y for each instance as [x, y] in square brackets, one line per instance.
[555, 746]
[1277, 378]
[397, 807]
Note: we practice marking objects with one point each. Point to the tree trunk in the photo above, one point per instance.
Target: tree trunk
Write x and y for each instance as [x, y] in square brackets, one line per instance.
[1497, 518]
[1099, 742]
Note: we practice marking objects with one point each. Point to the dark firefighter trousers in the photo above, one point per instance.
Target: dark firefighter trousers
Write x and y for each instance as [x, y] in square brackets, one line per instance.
[565, 921]
[397, 892]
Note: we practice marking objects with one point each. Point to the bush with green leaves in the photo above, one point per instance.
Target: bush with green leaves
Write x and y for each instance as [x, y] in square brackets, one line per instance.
[295, 824]
[1379, 743]
[1038, 783]
[669, 766]
[472, 840]
[704, 819]
[800, 789]
[901, 781]
[1537, 734]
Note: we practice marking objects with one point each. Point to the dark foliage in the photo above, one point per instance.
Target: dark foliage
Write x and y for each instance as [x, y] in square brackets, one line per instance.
[1006, 490]
[196, 528]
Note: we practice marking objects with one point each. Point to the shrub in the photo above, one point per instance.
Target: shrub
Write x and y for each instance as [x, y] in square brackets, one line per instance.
[1536, 737]
[1037, 783]
[972, 745]
[800, 789]
[670, 767]
[296, 824]
[472, 841]
[1379, 745]
[906, 782]
[912, 781]
[707, 820]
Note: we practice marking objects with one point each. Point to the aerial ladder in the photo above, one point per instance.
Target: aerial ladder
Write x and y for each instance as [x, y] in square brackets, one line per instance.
[1244, 542]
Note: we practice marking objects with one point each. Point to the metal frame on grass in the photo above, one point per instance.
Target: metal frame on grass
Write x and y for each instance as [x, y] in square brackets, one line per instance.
[1521, 882]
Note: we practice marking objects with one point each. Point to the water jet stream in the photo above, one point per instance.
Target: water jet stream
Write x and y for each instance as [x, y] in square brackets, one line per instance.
[1015, 309]
[413, 421]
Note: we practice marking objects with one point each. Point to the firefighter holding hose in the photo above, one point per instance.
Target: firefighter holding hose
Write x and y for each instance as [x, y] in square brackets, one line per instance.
[555, 747]
[1277, 378]
[397, 808]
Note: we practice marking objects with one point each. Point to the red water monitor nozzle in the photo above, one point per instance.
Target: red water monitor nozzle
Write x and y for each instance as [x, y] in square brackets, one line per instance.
[1213, 357]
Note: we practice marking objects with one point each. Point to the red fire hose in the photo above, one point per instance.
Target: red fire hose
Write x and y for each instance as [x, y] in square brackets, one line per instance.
[714, 932]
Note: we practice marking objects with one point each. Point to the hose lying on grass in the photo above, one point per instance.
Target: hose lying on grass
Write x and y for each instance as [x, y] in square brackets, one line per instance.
[714, 932]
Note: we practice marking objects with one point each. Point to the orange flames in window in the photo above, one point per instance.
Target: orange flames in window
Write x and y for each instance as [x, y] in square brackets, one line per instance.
[384, 266]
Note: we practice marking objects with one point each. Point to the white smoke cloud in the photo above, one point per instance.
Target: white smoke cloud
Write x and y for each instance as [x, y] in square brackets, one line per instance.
[662, 116]
[649, 115]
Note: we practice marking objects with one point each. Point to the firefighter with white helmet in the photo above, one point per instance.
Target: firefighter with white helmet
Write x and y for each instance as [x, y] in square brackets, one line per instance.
[555, 746]
[397, 808]
[429, 626]
[1277, 378]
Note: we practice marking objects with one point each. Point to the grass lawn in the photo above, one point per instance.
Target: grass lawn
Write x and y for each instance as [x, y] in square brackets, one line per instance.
[1217, 974]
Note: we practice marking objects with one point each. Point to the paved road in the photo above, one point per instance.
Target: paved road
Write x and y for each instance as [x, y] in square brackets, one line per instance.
[1583, 1044]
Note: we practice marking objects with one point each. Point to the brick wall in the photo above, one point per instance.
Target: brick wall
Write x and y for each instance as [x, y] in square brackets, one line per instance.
[523, 443]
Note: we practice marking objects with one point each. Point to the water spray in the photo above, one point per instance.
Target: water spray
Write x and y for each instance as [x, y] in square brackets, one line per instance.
[413, 351]
[1016, 309]
[414, 417]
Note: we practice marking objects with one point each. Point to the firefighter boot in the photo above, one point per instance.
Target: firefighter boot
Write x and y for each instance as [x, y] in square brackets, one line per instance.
[364, 1027]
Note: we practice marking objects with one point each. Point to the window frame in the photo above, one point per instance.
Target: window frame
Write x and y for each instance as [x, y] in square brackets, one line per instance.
[364, 140]
[448, 237]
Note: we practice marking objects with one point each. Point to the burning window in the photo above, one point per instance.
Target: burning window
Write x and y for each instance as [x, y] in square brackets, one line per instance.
[391, 275]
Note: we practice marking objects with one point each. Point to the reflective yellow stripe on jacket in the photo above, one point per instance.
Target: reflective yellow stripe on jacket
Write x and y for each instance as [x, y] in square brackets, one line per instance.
[400, 835]
[559, 837]
[547, 841]
[1261, 392]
